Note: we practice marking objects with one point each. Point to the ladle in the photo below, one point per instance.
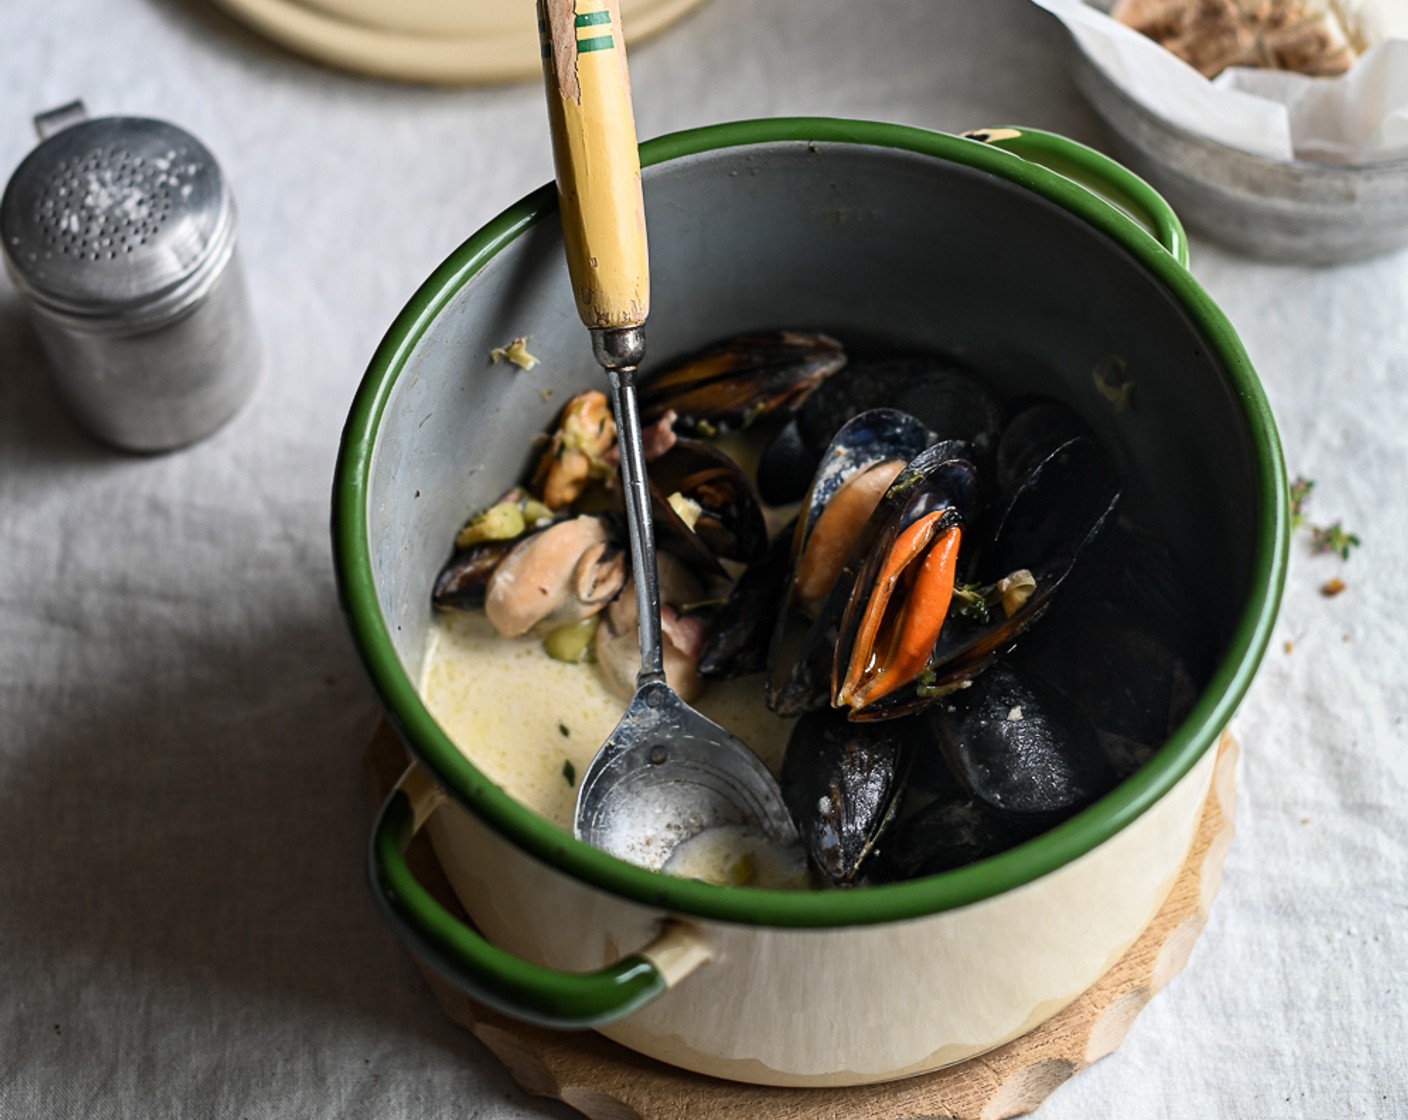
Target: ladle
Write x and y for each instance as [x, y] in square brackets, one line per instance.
[666, 773]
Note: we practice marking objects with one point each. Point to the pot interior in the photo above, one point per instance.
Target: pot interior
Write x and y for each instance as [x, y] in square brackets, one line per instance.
[889, 250]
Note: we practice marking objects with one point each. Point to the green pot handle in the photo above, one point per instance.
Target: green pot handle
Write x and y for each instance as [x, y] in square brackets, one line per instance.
[492, 975]
[1098, 174]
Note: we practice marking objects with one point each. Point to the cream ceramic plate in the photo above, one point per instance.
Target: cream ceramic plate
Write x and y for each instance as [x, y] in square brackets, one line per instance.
[427, 40]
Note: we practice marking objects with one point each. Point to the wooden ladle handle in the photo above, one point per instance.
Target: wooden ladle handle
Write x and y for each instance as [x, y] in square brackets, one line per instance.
[597, 161]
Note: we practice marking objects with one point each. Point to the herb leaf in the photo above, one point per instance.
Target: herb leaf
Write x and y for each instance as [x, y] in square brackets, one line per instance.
[1332, 538]
[1300, 498]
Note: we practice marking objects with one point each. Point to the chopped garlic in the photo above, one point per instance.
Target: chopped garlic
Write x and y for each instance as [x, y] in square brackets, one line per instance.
[688, 509]
[515, 352]
[1016, 588]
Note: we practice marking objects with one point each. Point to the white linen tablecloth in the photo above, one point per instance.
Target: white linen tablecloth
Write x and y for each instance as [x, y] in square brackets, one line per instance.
[185, 930]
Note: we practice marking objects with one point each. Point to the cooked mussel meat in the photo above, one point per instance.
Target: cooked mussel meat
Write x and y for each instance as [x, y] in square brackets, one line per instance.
[576, 455]
[464, 580]
[900, 601]
[567, 572]
[682, 633]
[481, 545]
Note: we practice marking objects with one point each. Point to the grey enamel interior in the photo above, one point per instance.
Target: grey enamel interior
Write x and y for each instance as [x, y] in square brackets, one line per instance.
[885, 249]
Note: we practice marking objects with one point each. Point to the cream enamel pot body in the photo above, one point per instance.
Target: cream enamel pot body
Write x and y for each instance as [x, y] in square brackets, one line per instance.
[885, 236]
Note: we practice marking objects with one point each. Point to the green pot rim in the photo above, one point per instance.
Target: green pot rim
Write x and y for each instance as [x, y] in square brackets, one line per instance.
[974, 883]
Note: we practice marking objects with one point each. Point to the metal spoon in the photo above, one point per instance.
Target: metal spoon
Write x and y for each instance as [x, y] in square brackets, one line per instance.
[666, 773]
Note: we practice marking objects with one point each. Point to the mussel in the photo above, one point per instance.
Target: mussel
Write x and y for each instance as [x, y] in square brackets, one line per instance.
[900, 602]
[1033, 538]
[950, 401]
[841, 782]
[1124, 644]
[481, 546]
[739, 631]
[800, 655]
[1021, 746]
[950, 830]
[704, 507]
[731, 385]
[977, 639]
[576, 455]
[561, 575]
[617, 643]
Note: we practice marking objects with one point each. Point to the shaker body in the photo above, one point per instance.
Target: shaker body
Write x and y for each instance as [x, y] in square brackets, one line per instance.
[158, 387]
[120, 233]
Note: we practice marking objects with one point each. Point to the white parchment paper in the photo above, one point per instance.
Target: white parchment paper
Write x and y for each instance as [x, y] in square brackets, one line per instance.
[1361, 117]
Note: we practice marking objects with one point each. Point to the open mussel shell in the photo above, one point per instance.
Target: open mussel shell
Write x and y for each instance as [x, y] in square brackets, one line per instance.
[785, 467]
[498, 528]
[841, 783]
[1045, 526]
[728, 519]
[799, 656]
[1039, 425]
[1020, 746]
[1122, 642]
[731, 385]
[899, 603]
[462, 582]
[742, 627]
[950, 401]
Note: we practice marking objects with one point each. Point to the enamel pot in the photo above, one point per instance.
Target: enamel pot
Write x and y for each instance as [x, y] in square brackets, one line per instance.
[1034, 260]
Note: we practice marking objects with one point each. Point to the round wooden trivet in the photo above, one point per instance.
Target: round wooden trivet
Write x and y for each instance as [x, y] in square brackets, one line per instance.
[605, 1081]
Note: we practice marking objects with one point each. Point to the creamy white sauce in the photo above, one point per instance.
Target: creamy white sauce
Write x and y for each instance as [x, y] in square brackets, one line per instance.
[532, 725]
[739, 857]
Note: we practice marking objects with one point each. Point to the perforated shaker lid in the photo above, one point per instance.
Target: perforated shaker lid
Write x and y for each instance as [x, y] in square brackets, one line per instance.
[116, 216]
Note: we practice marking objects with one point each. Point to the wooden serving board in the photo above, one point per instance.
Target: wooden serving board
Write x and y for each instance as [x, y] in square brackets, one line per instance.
[605, 1081]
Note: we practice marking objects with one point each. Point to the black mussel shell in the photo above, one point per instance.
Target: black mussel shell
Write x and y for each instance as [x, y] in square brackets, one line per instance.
[1054, 511]
[786, 467]
[841, 783]
[462, 582]
[950, 831]
[1020, 746]
[731, 385]
[740, 630]
[1037, 428]
[1046, 526]
[731, 525]
[949, 400]
[1123, 642]
[800, 657]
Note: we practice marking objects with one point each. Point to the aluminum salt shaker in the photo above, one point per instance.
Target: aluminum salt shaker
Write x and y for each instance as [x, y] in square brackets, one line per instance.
[120, 234]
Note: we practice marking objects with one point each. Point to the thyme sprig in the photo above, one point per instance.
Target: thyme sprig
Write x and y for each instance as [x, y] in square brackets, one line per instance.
[1323, 538]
